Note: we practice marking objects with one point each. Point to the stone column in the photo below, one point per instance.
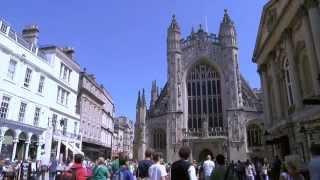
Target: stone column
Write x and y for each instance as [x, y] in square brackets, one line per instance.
[28, 141]
[58, 149]
[27, 150]
[310, 48]
[15, 143]
[39, 151]
[1, 140]
[67, 152]
[14, 151]
[275, 86]
[314, 18]
[2, 132]
[293, 69]
[264, 83]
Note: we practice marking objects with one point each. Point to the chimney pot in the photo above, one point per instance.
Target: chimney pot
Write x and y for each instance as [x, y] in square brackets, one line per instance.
[69, 51]
[31, 34]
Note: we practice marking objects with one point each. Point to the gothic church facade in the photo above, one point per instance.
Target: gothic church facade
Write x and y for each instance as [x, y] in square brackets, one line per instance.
[205, 103]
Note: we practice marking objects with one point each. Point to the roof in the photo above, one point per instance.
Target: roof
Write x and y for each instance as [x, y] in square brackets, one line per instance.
[262, 20]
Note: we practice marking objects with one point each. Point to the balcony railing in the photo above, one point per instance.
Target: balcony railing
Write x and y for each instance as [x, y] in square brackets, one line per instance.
[8, 31]
[67, 134]
[200, 132]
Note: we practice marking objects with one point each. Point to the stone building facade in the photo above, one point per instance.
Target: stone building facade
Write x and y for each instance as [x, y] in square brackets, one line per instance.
[37, 98]
[123, 137]
[205, 103]
[287, 53]
[96, 109]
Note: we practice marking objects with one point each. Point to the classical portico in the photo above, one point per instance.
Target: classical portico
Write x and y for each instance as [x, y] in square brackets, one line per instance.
[288, 54]
[20, 141]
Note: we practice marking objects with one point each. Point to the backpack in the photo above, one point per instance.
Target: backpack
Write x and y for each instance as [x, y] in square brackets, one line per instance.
[118, 175]
[67, 175]
[143, 169]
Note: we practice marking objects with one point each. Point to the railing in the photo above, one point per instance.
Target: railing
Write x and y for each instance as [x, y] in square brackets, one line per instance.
[66, 134]
[6, 29]
[192, 40]
[200, 132]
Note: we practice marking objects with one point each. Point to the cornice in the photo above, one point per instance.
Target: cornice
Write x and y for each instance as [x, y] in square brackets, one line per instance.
[33, 65]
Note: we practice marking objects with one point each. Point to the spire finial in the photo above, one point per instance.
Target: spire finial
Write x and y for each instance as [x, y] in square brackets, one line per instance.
[143, 98]
[139, 99]
[226, 17]
[174, 24]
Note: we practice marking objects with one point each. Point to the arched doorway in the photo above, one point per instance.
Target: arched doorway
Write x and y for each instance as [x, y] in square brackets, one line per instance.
[7, 144]
[204, 99]
[204, 153]
[33, 147]
[21, 146]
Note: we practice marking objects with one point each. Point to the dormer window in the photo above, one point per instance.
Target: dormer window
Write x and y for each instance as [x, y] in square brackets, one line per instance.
[65, 73]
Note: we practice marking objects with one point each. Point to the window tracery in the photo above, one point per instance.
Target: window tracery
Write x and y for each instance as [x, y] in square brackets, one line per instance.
[204, 97]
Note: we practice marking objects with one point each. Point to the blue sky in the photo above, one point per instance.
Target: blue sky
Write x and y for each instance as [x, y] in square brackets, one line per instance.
[123, 42]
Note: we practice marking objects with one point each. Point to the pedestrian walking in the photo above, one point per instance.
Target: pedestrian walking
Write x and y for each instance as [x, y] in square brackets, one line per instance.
[52, 168]
[293, 165]
[314, 164]
[100, 171]
[276, 168]
[78, 168]
[157, 171]
[222, 172]
[183, 169]
[208, 167]
[249, 171]
[143, 165]
[124, 172]
[265, 170]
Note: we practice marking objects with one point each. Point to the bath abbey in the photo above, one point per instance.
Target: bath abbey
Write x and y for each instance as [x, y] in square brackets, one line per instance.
[205, 103]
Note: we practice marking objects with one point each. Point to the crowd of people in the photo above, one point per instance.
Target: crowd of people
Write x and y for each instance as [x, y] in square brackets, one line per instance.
[153, 167]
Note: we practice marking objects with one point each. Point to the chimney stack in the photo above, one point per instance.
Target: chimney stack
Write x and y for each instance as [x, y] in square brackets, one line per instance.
[31, 34]
[69, 51]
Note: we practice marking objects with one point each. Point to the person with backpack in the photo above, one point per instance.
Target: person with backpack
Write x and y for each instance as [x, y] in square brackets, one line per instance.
[143, 165]
[115, 163]
[52, 168]
[183, 169]
[124, 172]
[157, 171]
[222, 172]
[100, 171]
[79, 172]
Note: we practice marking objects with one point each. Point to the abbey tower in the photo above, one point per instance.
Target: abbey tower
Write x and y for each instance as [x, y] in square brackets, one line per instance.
[205, 103]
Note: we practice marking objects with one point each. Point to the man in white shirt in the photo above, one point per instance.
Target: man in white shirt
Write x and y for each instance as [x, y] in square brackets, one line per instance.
[157, 171]
[208, 167]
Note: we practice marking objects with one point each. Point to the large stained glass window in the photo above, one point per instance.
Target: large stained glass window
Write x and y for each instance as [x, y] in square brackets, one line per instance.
[204, 97]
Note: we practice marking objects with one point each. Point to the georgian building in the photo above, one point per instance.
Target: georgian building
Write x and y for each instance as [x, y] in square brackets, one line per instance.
[287, 53]
[38, 91]
[123, 137]
[96, 109]
[205, 103]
